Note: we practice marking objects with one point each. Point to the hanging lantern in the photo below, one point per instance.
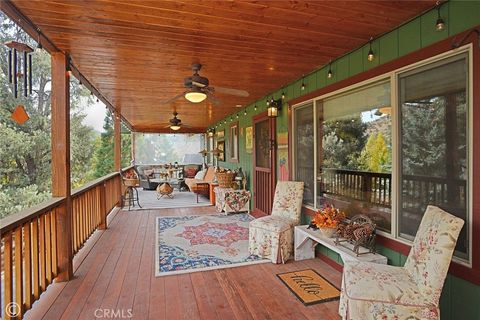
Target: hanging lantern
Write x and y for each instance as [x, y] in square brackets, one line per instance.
[15, 63]
[19, 115]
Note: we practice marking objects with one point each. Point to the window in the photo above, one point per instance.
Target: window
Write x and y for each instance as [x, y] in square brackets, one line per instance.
[233, 148]
[389, 153]
[434, 144]
[304, 150]
[354, 157]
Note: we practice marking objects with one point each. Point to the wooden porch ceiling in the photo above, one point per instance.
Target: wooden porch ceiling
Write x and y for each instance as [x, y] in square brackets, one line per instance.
[137, 53]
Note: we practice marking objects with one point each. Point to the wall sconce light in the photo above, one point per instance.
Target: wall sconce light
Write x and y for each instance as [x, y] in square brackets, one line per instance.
[440, 24]
[211, 132]
[370, 55]
[274, 107]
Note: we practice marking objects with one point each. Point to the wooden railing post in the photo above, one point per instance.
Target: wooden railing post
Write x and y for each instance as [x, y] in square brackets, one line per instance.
[103, 207]
[61, 162]
[117, 150]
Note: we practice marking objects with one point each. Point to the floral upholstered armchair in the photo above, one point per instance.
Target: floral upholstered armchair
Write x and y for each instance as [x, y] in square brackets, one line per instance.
[272, 236]
[374, 291]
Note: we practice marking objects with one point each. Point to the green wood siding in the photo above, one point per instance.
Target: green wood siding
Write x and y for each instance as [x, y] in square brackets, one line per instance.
[459, 297]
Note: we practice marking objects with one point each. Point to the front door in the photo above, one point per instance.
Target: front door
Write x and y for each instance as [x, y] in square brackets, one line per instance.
[264, 164]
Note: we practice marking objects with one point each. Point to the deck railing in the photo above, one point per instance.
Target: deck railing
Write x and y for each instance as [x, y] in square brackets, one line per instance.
[29, 241]
[376, 188]
[372, 187]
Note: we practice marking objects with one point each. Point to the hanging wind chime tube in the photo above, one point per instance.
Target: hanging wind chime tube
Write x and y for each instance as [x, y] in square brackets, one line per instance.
[15, 84]
[15, 70]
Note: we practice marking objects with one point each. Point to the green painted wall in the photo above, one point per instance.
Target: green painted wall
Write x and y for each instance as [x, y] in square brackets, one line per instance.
[459, 298]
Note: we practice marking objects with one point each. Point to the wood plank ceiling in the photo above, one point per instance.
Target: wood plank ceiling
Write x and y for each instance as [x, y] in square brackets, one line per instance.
[137, 53]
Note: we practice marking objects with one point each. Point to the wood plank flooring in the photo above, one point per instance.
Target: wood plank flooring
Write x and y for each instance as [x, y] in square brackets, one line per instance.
[115, 278]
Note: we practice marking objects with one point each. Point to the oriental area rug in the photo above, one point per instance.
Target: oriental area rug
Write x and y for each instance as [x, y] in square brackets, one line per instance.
[199, 243]
[309, 287]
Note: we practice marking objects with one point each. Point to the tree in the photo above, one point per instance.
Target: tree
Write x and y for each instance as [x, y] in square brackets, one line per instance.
[25, 155]
[343, 141]
[375, 157]
[103, 156]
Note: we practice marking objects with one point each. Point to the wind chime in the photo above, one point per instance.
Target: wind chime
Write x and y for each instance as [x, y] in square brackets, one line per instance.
[20, 68]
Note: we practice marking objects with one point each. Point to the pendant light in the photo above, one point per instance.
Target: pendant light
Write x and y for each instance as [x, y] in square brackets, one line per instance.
[283, 94]
[370, 55]
[303, 84]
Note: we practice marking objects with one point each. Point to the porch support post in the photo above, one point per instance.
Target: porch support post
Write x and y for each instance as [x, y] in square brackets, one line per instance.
[61, 185]
[117, 149]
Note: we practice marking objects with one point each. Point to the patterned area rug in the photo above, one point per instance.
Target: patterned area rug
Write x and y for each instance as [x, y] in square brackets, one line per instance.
[198, 243]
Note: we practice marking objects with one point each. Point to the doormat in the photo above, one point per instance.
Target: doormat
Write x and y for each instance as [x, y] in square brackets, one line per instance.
[309, 287]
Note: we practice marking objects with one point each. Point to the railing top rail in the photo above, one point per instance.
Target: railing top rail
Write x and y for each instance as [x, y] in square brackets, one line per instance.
[357, 172]
[17, 219]
[92, 184]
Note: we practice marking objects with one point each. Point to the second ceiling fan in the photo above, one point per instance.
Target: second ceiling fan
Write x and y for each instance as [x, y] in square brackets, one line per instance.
[198, 89]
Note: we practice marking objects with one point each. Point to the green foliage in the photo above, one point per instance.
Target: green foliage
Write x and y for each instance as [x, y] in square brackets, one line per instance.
[15, 199]
[343, 142]
[375, 157]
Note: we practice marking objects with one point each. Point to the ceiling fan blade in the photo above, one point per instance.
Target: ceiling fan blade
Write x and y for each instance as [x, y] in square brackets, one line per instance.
[233, 92]
[174, 98]
[214, 99]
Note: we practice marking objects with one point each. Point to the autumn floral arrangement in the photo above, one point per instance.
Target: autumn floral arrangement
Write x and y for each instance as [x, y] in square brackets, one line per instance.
[130, 174]
[327, 219]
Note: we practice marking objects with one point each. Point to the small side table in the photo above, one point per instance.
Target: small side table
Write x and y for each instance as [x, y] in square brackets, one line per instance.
[212, 192]
[229, 200]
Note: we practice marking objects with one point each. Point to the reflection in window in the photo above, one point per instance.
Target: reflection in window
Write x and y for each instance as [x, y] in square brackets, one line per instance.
[434, 146]
[354, 158]
[304, 151]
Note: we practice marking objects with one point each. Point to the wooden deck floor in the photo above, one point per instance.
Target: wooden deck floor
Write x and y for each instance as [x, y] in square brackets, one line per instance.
[115, 274]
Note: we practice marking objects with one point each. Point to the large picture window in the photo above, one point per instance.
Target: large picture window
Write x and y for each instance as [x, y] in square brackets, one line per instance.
[434, 144]
[389, 148]
[354, 157]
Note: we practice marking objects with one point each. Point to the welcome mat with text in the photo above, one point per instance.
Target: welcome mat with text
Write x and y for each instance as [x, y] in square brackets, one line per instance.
[309, 287]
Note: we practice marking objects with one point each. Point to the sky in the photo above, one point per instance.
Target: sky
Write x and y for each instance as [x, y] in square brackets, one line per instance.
[95, 115]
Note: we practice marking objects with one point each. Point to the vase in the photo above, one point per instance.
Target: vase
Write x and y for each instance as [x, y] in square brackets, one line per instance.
[327, 232]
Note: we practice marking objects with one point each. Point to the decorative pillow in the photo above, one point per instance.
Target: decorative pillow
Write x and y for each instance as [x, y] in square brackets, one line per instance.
[201, 174]
[190, 172]
[149, 173]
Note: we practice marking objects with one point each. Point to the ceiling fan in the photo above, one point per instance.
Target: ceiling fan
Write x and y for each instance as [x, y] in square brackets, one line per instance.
[198, 89]
[175, 123]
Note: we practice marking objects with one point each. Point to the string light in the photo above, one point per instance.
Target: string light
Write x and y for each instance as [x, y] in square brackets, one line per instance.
[283, 94]
[440, 24]
[255, 107]
[370, 56]
[303, 84]
[330, 73]
[245, 112]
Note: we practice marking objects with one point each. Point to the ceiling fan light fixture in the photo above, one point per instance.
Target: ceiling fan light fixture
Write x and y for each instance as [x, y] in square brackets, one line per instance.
[195, 96]
[175, 127]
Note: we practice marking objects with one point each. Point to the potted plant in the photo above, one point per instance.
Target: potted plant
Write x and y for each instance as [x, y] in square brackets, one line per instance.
[327, 220]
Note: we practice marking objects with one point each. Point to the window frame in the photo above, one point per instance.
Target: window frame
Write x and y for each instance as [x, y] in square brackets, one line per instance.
[233, 148]
[393, 77]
